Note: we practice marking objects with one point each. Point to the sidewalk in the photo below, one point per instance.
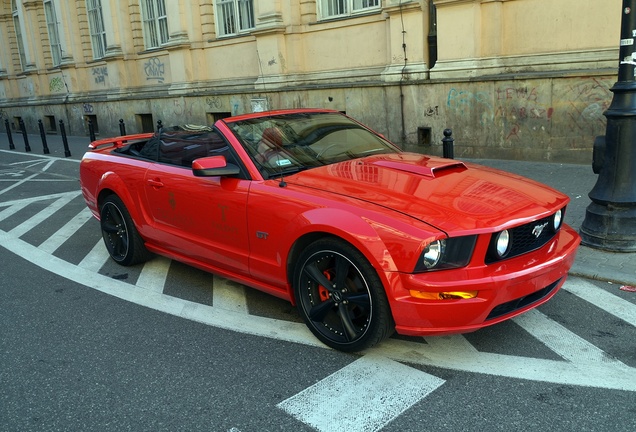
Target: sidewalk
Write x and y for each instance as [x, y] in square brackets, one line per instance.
[574, 180]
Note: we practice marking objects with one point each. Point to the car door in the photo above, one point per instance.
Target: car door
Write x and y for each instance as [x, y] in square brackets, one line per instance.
[198, 218]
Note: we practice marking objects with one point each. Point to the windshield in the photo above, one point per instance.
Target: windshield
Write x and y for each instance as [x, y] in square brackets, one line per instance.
[288, 143]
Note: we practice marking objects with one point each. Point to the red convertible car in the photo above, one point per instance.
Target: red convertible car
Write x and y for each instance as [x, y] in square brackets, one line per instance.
[315, 208]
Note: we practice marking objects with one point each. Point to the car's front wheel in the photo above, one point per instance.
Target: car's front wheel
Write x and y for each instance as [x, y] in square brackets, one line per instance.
[341, 297]
[123, 242]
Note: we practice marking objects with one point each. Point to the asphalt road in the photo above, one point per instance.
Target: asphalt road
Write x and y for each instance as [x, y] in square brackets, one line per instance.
[88, 345]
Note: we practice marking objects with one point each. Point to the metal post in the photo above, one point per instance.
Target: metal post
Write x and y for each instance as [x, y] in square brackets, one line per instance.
[122, 127]
[67, 152]
[159, 125]
[6, 125]
[43, 136]
[27, 147]
[610, 220]
[447, 143]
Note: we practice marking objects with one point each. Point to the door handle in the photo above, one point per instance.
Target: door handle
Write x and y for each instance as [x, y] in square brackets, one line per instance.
[156, 183]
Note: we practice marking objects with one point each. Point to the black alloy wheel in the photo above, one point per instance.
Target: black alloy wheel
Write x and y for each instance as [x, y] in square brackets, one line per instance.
[341, 297]
[123, 242]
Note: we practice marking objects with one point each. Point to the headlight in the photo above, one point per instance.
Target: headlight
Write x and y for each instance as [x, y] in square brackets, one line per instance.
[557, 220]
[502, 244]
[453, 252]
[433, 253]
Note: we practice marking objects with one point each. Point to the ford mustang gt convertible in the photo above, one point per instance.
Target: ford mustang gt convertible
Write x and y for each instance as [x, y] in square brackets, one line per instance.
[313, 207]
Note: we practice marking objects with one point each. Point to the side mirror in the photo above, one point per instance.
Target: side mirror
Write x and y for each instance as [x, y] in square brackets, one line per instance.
[213, 166]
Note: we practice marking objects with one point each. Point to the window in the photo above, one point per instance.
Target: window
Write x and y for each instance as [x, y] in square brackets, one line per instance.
[18, 32]
[339, 8]
[52, 26]
[234, 16]
[155, 23]
[96, 26]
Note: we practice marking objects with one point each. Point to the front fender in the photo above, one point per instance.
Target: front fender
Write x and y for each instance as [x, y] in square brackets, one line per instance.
[348, 226]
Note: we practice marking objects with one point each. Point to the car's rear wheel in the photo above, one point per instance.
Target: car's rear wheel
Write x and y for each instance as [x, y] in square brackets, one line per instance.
[123, 242]
[341, 297]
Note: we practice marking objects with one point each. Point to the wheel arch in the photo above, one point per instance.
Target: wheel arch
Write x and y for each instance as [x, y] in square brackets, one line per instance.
[112, 184]
[321, 224]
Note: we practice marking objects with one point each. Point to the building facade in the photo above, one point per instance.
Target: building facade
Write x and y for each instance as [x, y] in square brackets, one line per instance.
[519, 79]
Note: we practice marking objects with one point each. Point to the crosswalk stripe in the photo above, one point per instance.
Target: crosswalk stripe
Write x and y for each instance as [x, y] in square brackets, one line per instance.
[154, 274]
[51, 244]
[96, 258]
[560, 340]
[361, 397]
[38, 218]
[228, 296]
[602, 299]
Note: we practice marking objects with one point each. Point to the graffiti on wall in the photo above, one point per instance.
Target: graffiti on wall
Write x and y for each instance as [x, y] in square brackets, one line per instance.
[56, 84]
[99, 74]
[154, 69]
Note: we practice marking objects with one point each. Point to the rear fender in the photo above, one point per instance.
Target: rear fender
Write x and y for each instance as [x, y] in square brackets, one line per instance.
[111, 183]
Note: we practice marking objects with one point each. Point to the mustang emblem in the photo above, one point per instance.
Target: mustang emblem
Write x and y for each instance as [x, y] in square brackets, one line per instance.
[537, 230]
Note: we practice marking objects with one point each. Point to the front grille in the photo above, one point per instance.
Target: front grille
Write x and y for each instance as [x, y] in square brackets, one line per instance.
[524, 239]
[520, 303]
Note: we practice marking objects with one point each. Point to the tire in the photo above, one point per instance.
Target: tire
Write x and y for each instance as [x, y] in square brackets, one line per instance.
[340, 296]
[124, 244]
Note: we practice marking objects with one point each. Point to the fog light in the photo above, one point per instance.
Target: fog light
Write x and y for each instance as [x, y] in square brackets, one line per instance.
[448, 295]
[557, 220]
[503, 243]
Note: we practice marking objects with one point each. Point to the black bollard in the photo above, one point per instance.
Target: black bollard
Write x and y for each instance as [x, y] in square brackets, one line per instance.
[447, 143]
[67, 152]
[43, 136]
[122, 127]
[91, 130]
[27, 147]
[6, 125]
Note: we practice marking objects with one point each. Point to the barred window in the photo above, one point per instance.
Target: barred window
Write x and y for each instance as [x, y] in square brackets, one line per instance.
[52, 26]
[342, 8]
[155, 23]
[96, 27]
[15, 11]
[234, 16]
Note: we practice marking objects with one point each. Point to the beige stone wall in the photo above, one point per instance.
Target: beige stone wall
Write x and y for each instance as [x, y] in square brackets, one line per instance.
[514, 78]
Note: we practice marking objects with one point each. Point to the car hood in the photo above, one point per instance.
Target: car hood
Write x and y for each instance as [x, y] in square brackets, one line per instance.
[450, 195]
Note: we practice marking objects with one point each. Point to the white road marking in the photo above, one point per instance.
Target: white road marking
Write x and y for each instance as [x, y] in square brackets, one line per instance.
[19, 183]
[456, 343]
[587, 374]
[154, 274]
[10, 211]
[600, 298]
[361, 397]
[96, 258]
[51, 244]
[228, 296]
[561, 340]
[38, 218]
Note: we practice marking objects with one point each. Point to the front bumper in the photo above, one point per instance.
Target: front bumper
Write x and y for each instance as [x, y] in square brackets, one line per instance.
[505, 289]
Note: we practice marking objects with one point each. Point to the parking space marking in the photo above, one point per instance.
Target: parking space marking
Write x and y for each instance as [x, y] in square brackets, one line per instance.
[448, 353]
[361, 397]
[604, 300]
[51, 244]
[154, 274]
[96, 258]
[228, 296]
[562, 341]
[42, 215]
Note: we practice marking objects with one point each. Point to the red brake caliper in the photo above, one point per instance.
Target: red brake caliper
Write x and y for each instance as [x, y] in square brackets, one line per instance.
[324, 293]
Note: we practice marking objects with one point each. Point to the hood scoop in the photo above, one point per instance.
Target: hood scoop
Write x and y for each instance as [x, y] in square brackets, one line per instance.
[432, 168]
